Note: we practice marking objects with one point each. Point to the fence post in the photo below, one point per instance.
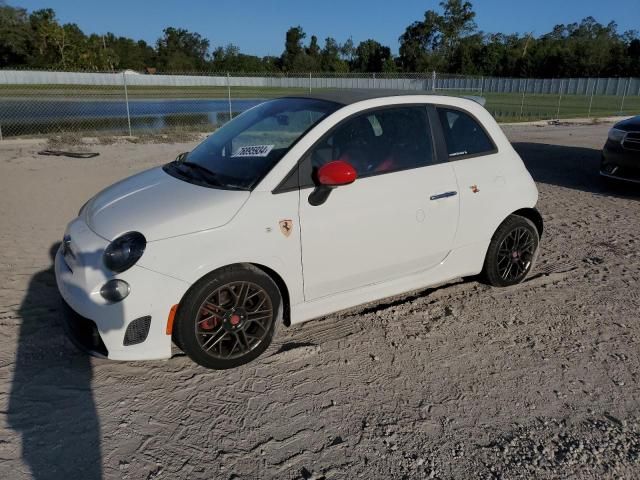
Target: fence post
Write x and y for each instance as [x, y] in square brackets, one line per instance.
[624, 94]
[593, 92]
[1, 133]
[229, 94]
[126, 101]
[309, 83]
[433, 81]
[481, 85]
[524, 92]
[560, 99]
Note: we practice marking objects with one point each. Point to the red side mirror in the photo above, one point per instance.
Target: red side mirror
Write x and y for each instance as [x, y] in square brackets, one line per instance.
[336, 173]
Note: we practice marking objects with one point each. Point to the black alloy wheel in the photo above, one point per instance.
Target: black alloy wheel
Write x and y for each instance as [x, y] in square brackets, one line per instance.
[229, 317]
[512, 252]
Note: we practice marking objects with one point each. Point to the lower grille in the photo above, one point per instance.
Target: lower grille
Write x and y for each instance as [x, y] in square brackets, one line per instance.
[137, 331]
[624, 173]
[83, 332]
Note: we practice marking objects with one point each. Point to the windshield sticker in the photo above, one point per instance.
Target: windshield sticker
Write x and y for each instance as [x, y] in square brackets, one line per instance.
[253, 151]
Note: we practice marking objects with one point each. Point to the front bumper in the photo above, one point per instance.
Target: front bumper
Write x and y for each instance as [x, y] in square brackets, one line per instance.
[100, 327]
[83, 332]
[620, 163]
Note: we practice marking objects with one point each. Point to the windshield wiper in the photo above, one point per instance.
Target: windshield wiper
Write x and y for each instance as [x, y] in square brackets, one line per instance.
[205, 173]
[202, 173]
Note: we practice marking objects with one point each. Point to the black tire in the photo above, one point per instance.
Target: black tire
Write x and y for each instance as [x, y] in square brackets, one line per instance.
[229, 317]
[512, 252]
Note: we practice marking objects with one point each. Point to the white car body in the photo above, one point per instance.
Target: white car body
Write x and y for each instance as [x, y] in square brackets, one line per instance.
[381, 236]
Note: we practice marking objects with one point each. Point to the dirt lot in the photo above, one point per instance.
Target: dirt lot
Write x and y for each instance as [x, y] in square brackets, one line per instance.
[463, 381]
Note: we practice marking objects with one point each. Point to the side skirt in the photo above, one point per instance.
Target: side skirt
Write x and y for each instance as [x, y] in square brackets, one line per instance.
[462, 262]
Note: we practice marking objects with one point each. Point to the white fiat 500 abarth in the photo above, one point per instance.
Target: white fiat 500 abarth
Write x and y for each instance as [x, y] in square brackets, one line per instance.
[297, 208]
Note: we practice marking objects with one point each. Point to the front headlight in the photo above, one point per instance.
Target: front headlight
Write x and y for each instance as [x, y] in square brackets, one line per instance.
[616, 135]
[124, 252]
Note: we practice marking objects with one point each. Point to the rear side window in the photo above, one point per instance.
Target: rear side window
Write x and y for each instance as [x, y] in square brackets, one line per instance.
[463, 134]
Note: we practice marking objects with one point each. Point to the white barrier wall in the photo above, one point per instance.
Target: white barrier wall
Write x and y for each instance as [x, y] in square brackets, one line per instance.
[566, 86]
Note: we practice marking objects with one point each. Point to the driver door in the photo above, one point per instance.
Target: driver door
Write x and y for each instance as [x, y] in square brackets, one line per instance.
[400, 215]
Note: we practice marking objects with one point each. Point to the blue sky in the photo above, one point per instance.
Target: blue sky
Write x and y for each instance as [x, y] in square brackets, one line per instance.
[258, 26]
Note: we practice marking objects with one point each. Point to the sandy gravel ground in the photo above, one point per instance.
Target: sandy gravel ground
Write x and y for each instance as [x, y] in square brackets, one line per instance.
[462, 381]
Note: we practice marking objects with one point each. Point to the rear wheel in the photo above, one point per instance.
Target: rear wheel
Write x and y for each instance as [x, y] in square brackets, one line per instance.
[229, 318]
[512, 252]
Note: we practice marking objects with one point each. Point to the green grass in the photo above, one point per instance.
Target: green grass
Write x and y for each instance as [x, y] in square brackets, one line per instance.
[512, 107]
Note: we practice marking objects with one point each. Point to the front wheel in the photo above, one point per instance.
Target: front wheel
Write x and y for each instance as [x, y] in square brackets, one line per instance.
[228, 318]
[512, 252]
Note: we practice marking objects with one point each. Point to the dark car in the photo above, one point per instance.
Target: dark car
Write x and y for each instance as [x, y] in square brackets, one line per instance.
[621, 153]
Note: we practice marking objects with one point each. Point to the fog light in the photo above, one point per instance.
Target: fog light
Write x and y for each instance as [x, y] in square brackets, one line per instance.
[115, 290]
[611, 169]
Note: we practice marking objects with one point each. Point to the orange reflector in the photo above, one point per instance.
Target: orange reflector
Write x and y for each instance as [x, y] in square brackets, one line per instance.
[172, 316]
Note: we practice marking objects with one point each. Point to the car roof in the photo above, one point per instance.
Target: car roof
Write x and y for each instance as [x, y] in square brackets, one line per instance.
[349, 96]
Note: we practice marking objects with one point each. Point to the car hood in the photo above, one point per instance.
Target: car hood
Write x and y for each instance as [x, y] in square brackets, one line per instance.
[629, 125]
[160, 206]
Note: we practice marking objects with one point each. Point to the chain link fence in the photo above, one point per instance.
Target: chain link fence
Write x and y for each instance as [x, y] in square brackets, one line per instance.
[41, 103]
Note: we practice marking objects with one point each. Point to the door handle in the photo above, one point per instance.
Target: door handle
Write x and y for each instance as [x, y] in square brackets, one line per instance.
[443, 195]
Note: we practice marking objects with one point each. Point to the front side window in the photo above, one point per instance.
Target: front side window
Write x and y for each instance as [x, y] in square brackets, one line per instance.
[239, 154]
[464, 135]
[381, 141]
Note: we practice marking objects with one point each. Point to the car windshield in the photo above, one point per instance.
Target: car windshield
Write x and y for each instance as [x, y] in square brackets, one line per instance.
[239, 154]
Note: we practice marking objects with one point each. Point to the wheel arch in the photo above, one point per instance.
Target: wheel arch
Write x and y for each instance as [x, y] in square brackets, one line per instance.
[533, 215]
[272, 274]
[284, 291]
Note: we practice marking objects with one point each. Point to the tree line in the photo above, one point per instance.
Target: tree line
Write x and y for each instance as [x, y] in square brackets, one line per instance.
[446, 41]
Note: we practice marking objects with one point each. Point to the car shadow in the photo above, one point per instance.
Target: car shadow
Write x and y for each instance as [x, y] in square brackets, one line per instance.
[571, 167]
[51, 404]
